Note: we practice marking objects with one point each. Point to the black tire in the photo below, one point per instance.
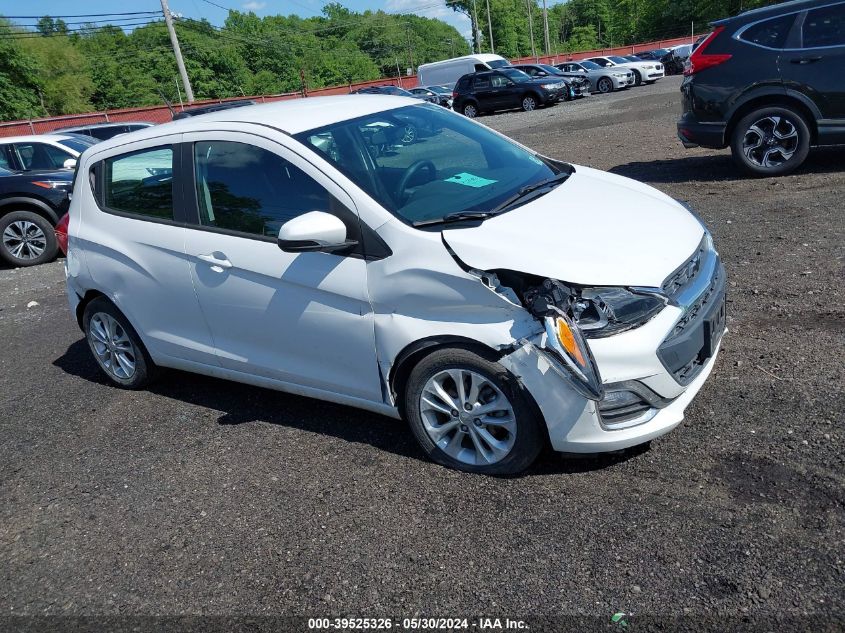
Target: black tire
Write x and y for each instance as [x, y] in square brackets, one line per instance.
[144, 368]
[529, 438]
[39, 235]
[766, 159]
[529, 102]
[638, 78]
[470, 110]
[604, 85]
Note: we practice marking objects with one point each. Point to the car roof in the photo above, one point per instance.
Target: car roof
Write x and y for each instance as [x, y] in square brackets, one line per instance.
[50, 138]
[775, 9]
[92, 126]
[291, 116]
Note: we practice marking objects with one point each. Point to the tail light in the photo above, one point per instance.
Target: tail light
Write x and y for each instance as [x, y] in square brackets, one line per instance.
[61, 232]
[699, 60]
[454, 94]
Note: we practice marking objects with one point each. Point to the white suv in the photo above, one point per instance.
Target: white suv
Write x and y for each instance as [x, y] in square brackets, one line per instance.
[495, 298]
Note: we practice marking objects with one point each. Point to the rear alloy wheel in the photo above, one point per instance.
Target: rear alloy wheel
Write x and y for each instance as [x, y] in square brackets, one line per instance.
[27, 239]
[605, 85]
[470, 111]
[115, 345]
[529, 103]
[770, 141]
[467, 412]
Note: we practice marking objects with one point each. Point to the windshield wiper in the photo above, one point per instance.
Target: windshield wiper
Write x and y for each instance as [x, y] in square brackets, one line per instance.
[522, 194]
[458, 216]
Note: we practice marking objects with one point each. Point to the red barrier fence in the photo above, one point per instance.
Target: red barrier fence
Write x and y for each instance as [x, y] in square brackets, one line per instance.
[161, 114]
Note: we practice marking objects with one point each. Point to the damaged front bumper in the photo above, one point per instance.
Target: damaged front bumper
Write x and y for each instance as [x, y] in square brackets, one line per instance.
[575, 423]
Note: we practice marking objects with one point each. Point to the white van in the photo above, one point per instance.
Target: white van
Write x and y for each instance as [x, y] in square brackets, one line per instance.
[449, 71]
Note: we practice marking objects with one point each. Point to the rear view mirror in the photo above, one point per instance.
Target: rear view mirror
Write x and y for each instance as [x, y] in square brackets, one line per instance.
[70, 163]
[314, 231]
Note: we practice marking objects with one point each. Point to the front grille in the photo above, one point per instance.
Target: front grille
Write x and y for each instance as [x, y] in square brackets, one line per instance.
[700, 304]
[686, 273]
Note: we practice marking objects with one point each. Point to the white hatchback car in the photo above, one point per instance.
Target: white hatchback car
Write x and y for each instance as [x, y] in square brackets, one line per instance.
[497, 299]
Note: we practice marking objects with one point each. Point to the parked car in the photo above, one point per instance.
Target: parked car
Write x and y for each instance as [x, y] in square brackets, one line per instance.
[505, 89]
[42, 151]
[602, 80]
[31, 203]
[416, 284]
[579, 85]
[767, 84]
[448, 71]
[656, 54]
[644, 71]
[395, 91]
[436, 94]
[211, 107]
[105, 131]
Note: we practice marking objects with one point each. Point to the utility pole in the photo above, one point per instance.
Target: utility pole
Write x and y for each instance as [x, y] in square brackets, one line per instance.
[490, 26]
[531, 30]
[477, 33]
[180, 63]
[410, 50]
[546, 29]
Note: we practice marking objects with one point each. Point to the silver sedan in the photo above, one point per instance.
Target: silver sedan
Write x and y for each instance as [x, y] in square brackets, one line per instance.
[601, 79]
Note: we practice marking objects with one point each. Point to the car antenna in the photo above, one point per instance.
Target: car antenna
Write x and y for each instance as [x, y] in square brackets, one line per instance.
[166, 102]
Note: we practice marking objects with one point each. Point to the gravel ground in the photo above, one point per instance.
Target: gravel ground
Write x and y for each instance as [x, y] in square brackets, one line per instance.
[204, 497]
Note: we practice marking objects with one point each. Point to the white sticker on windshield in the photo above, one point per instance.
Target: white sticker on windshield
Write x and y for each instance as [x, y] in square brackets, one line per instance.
[470, 180]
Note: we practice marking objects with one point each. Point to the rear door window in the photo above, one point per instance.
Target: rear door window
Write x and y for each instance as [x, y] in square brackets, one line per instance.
[481, 83]
[140, 183]
[824, 27]
[769, 33]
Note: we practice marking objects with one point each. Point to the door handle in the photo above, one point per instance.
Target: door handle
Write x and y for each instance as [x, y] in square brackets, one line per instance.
[804, 60]
[217, 265]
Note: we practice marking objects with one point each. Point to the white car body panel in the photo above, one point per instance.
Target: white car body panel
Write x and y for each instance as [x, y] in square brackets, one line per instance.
[650, 70]
[448, 71]
[333, 328]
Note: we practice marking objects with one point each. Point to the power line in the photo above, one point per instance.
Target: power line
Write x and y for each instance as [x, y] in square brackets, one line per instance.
[25, 35]
[79, 15]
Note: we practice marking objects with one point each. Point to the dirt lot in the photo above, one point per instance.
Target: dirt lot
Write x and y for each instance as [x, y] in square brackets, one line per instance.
[205, 497]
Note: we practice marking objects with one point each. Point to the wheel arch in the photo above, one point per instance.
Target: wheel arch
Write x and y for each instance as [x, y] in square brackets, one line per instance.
[788, 100]
[414, 352]
[23, 203]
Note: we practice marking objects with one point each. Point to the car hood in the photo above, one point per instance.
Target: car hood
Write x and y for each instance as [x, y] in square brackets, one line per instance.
[638, 64]
[594, 229]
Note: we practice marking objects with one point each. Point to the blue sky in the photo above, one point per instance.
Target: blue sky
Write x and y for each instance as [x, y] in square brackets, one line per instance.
[201, 9]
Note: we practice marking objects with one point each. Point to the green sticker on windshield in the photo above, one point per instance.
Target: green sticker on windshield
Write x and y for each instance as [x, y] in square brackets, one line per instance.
[470, 180]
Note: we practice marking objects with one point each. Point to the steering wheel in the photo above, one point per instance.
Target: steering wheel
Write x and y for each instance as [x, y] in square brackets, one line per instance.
[413, 170]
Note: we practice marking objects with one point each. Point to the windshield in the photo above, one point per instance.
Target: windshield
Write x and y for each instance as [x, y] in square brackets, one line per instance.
[423, 163]
[515, 75]
[589, 65]
[633, 58]
[76, 144]
[618, 60]
[498, 63]
[550, 69]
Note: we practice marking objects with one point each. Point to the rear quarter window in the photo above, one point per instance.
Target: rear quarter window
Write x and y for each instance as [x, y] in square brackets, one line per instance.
[140, 183]
[769, 33]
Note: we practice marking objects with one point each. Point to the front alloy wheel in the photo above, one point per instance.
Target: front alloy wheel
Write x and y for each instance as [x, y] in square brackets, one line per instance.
[529, 103]
[409, 134]
[26, 239]
[468, 417]
[469, 413]
[605, 85]
[770, 141]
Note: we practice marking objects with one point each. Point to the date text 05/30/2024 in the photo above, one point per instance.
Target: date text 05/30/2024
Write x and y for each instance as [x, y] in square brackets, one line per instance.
[413, 624]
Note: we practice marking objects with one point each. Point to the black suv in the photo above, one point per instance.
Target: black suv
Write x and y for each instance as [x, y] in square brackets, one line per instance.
[768, 83]
[505, 89]
[31, 204]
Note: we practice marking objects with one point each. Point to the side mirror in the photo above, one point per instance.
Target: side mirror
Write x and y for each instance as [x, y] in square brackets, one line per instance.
[70, 163]
[314, 231]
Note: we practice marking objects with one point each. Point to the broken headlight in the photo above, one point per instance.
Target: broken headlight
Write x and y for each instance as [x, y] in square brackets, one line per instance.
[601, 312]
